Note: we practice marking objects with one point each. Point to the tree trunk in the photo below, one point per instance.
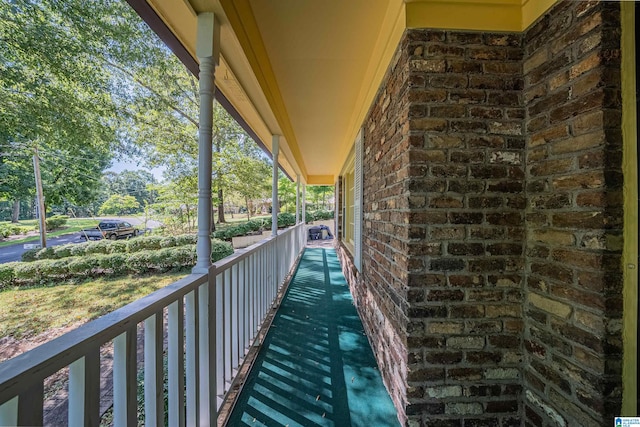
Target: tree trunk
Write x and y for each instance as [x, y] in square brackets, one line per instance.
[246, 202]
[15, 215]
[213, 218]
[221, 218]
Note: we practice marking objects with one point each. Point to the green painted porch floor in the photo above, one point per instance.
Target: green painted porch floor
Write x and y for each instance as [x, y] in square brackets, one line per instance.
[316, 367]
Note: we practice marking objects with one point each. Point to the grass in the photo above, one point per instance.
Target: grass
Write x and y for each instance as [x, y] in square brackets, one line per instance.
[73, 226]
[26, 312]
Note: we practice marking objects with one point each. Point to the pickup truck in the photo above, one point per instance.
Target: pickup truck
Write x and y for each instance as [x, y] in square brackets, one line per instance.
[110, 229]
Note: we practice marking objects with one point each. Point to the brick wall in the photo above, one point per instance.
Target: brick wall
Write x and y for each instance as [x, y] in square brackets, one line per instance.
[466, 228]
[380, 291]
[491, 284]
[574, 216]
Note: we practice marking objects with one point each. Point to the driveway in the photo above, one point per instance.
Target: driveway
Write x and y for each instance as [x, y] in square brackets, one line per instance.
[14, 252]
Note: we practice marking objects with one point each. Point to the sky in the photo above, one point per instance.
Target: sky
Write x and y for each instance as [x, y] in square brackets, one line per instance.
[119, 166]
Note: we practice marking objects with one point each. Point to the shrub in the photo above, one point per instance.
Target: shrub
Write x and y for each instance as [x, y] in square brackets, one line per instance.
[7, 274]
[184, 255]
[186, 239]
[27, 271]
[286, 219]
[220, 250]
[168, 242]
[29, 255]
[139, 262]
[54, 267]
[53, 222]
[7, 230]
[45, 253]
[63, 251]
[117, 247]
[142, 243]
[80, 248]
[99, 247]
[115, 262]
[83, 265]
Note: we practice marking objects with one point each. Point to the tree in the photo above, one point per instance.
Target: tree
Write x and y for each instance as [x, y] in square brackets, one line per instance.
[133, 183]
[318, 195]
[119, 205]
[286, 194]
[250, 172]
[61, 106]
[176, 203]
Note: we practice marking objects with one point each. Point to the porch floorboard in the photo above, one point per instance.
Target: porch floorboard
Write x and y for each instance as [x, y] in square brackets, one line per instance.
[316, 367]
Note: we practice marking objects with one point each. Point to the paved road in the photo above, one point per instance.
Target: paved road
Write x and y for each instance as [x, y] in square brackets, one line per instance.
[14, 252]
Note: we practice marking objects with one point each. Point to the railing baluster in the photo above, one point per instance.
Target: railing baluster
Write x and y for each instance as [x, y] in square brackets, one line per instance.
[176, 364]
[227, 327]
[9, 412]
[219, 280]
[30, 411]
[191, 352]
[153, 375]
[124, 379]
[253, 300]
[206, 354]
[235, 326]
[84, 390]
[243, 313]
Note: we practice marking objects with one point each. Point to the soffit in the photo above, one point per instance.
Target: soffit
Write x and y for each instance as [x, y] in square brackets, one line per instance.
[309, 70]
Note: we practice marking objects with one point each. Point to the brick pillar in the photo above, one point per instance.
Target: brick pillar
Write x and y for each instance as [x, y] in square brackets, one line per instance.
[574, 216]
[466, 239]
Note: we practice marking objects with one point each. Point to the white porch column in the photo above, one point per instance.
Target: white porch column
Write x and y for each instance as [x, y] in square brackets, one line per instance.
[275, 142]
[298, 216]
[304, 204]
[207, 50]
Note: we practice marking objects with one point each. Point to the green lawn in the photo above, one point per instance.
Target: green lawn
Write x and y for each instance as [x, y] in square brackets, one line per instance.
[28, 312]
[73, 226]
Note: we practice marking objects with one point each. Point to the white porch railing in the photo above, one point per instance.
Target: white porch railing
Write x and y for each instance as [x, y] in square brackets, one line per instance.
[242, 288]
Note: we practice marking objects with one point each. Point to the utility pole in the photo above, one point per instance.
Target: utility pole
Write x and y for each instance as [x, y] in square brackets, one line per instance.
[41, 212]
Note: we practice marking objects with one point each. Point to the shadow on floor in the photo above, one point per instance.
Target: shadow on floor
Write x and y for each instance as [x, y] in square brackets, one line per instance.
[316, 367]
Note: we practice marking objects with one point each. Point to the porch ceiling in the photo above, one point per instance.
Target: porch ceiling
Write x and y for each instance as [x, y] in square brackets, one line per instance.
[308, 70]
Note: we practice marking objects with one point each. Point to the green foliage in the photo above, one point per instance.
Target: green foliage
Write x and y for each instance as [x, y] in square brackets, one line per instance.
[115, 262]
[46, 100]
[144, 242]
[7, 274]
[63, 251]
[319, 216]
[106, 247]
[168, 242]
[29, 255]
[54, 222]
[27, 271]
[220, 250]
[119, 205]
[99, 247]
[186, 239]
[45, 253]
[7, 230]
[143, 261]
[55, 268]
[286, 220]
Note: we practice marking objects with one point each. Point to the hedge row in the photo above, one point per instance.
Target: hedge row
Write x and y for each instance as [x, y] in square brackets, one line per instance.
[255, 225]
[109, 247]
[319, 215]
[113, 264]
[7, 230]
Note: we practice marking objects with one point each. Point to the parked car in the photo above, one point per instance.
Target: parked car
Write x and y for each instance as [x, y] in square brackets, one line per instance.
[110, 229]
